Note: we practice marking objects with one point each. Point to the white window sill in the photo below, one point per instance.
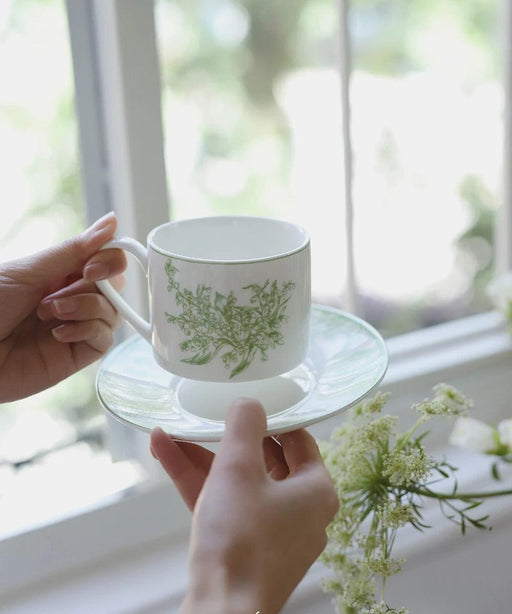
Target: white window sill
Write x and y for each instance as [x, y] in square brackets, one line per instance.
[152, 577]
[128, 554]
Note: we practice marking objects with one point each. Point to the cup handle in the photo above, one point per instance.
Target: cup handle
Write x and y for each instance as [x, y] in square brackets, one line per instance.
[141, 254]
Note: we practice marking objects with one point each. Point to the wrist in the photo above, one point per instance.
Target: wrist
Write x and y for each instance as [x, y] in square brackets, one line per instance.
[217, 591]
[218, 604]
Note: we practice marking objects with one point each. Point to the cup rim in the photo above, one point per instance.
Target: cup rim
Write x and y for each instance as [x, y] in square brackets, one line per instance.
[177, 256]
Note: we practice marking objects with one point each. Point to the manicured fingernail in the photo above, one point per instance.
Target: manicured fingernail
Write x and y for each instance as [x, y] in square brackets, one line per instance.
[99, 228]
[65, 306]
[61, 332]
[102, 222]
[95, 272]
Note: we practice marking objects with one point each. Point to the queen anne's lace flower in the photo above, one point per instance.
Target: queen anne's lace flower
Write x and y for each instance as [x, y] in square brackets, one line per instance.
[381, 477]
[408, 466]
[448, 401]
[383, 608]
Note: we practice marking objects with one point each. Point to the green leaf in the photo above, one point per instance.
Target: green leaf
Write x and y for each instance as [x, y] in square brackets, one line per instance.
[198, 359]
[243, 365]
[495, 473]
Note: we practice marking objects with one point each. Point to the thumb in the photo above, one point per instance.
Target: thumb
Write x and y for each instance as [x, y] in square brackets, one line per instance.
[242, 443]
[54, 264]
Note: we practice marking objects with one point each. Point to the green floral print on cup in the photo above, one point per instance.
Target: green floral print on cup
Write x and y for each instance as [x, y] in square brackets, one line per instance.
[215, 325]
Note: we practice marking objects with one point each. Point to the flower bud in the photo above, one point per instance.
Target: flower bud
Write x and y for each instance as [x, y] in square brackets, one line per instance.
[473, 434]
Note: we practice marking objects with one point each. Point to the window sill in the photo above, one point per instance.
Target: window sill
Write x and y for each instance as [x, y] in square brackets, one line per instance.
[125, 544]
[131, 582]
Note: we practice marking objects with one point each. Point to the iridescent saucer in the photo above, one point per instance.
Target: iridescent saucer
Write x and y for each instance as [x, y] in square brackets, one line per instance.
[346, 359]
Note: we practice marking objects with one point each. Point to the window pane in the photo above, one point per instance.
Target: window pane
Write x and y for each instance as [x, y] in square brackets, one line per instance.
[427, 131]
[42, 203]
[252, 118]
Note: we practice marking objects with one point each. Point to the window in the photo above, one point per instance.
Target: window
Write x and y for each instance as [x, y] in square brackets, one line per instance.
[252, 118]
[43, 203]
[253, 125]
[427, 103]
[275, 148]
[42, 198]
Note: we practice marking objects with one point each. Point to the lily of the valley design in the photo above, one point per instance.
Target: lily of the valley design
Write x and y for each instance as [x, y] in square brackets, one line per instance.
[215, 325]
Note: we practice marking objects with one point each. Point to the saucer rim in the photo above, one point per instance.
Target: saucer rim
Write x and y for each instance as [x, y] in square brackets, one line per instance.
[216, 437]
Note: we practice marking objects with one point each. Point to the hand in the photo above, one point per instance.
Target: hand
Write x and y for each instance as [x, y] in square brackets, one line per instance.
[53, 321]
[260, 511]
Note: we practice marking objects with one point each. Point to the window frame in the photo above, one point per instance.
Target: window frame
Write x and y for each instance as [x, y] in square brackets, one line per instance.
[118, 105]
[118, 93]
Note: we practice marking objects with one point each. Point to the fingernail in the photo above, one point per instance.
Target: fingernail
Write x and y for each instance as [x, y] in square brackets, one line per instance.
[102, 222]
[61, 332]
[64, 306]
[95, 272]
[43, 313]
[100, 227]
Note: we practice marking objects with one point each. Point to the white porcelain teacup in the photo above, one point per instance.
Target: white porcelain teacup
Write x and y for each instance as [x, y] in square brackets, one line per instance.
[230, 296]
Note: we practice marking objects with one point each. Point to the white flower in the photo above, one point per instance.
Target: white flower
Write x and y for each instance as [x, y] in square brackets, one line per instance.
[473, 435]
[505, 431]
[500, 292]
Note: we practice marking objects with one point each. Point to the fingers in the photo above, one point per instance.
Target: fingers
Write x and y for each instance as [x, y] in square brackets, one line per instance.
[186, 464]
[83, 307]
[308, 474]
[300, 450]
[47, 310]
[105, 264]
[241, 446]
[277, 469]
[96, 333]
[69, 257]
[89, 319]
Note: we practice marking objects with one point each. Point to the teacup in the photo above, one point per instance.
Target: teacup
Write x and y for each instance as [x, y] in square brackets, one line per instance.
[230, 297]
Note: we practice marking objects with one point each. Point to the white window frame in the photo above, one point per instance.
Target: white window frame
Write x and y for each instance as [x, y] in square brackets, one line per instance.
[118, 99]
[118, 105]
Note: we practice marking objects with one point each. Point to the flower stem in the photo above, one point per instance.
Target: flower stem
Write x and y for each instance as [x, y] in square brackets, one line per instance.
[464, 496]
[406, 437]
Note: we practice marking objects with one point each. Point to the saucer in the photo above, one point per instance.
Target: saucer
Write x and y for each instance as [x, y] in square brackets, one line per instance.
[346, 359]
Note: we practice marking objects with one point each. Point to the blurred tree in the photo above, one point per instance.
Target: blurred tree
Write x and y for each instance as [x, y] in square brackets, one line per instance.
[231, 56]
[478, 240]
